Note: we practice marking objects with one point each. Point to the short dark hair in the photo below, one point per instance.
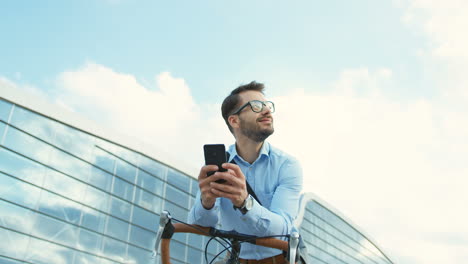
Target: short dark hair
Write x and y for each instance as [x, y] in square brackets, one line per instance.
[231, 102]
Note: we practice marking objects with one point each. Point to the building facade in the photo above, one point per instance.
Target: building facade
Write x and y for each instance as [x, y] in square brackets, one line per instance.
[71, 192]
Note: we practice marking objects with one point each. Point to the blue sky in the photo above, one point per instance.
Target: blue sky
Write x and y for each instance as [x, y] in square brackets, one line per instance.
[371, 95]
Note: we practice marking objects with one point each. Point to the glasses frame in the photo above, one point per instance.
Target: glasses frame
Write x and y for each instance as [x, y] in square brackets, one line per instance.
[250, 103]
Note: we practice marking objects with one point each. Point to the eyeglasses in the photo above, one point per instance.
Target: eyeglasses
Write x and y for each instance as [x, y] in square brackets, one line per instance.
[257, 106]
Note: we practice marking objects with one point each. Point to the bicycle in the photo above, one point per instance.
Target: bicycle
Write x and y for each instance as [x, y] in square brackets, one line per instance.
[294, 247]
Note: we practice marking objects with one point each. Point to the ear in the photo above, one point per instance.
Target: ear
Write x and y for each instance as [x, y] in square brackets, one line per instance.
[234, 121]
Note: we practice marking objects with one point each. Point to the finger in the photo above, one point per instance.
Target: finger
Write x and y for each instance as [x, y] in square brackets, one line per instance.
[235, 168]
[205, 169]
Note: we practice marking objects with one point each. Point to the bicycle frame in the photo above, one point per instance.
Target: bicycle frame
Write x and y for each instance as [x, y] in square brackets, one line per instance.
[167, 229]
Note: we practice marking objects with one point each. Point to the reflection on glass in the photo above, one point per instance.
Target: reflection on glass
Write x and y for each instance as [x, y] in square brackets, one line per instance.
[176, 211]
[5, 108]
[103, 160]
[117, 228]
[89, 241]
[178, 179]
[176, 196]
[15, 217]
[27, 145]
[18, 192]
[64, 185]
[125, 170]
[138, 255]
[2, 129]
[21, 167]
[114, 249]
[148, 200]
[123, 189]
[120, 208]
[5, 260]
[152, 166]
[93, 220]
[67, 138]
[150, 183]
[54, 230]
[12, 243]
[37, 125]
[145, 218]
[68, 164]
[100, 179]
[40, 251]
[96, 199]
[141, 237]
[54, 205]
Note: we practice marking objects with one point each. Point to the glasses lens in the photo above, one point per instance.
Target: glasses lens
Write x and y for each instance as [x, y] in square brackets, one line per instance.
[257, 106]
[270, 106]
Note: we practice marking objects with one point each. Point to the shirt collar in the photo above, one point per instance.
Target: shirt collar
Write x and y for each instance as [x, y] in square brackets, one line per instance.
[264, 151]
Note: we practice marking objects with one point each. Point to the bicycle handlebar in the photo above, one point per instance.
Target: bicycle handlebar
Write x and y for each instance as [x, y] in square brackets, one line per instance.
[167, 229]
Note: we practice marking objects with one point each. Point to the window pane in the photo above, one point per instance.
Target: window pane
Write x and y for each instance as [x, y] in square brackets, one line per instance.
[89, 241]
[148, 200]
[5, 108]
[120, 208]
[142, 238]
[114, 249]
[93, 220]
[96, 199]
[123, 189]
[33, 123]
[21, 167]
[176, 196]
[100, 179]
[12, 243]
[67, 138]
[144, 218]
[57, 206]
[150, 183]
[18, 192]
[126, 171]
[64, 185]
[103, 160]
[27, 145]
[138, 255]
[178, 179]
[44, 252]
[117, 228]
[15, 217]
[68, 164]
[153, 167]
[54, 230]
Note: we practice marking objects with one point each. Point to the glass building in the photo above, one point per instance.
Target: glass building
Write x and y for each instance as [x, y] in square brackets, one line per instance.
[72, 192]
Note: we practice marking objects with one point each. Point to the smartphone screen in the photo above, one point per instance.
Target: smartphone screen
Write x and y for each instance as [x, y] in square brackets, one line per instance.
[215, 154]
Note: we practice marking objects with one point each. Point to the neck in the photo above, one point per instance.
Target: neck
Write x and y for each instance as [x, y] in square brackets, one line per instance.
[248, 149]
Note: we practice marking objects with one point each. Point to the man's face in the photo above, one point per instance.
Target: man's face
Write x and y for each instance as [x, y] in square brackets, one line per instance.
[255, 126]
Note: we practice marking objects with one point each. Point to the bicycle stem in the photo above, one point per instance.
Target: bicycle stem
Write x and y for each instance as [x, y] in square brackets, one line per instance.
[293, 243]
[164, 218]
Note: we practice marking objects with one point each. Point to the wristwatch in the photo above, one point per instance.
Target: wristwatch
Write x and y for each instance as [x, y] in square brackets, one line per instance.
[247, 205]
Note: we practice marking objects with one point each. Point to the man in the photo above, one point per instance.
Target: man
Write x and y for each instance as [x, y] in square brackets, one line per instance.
[274, 176]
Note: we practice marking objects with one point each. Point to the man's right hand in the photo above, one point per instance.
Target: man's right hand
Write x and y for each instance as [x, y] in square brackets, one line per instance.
[208, 198]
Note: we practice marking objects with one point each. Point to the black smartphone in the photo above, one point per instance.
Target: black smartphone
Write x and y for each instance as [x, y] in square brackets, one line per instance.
[215, 154]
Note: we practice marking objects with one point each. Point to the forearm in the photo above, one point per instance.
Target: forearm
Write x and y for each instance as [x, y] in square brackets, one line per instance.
[200, 216]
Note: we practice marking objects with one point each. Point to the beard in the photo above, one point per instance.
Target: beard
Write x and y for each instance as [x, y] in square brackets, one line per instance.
[255, 133]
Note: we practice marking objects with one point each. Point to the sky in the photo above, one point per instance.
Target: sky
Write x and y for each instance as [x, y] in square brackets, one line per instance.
[370, 96]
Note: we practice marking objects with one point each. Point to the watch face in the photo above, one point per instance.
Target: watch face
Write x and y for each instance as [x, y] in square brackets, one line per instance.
[249, 203]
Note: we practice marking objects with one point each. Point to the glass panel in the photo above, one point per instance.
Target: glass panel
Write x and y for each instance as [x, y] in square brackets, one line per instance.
[194, 187]
[15, 217]
[177, 250]
[93, 220]
[54, 205]
[103, 160]
[89, 241]
[178, 179]
[123, 189]
[176, 196]
[67, 138]
[150, 183]
[81, 258]
[138, 255]
[148, 200]
[126, 171]
[120, 208]
[27, 145]
[69, 165]
[12, 244]
[2, 129]
[21, 167]
[34, 124]
[141, 237]
[117, 150]
[117, 228]
[96, 199]
[44, 252]
[5, 108]
[100, 179]
[153, 167]
[114, 249]
[54, 230]
[145, 219]
[18, 192]
[5, 260]
[64, 185]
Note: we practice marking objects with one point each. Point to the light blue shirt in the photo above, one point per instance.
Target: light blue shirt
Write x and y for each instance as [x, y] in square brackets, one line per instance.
[276, 179]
